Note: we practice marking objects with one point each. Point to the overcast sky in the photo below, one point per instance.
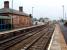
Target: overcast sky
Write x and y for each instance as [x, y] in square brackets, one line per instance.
[42, 8]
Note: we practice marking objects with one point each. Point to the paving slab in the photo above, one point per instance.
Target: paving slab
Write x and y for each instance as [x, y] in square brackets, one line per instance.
[57, 41]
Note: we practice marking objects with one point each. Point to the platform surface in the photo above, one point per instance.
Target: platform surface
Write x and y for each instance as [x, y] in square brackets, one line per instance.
[57, 42]
[13, 30]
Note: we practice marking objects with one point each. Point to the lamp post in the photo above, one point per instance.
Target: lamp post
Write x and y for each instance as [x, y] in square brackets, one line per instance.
[32, 12]
[32, 15]
[65, 15]
[12, 16]
[63, 11]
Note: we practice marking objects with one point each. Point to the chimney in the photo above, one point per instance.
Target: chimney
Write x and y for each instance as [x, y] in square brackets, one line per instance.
[6, 4]
[21, 9]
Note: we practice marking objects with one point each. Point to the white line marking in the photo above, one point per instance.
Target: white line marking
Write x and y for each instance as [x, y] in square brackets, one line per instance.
[51, 42]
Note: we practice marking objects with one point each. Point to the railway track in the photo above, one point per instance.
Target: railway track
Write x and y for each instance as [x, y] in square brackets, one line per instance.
[5, 44]
[27, 43]
[42, 43]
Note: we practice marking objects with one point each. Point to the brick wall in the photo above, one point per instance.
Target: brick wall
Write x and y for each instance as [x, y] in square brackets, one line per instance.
[21, 21]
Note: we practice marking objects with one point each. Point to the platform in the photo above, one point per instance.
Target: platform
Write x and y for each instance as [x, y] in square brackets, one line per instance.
[8, 31]
[57, 41]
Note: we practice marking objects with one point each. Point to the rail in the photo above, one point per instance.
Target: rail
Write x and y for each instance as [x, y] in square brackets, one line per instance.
[12, 37]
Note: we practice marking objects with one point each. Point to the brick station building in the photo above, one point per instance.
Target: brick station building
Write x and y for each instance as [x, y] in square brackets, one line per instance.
[18, 18]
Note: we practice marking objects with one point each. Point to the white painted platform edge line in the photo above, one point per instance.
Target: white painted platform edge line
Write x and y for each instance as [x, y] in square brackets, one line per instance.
[51, 41]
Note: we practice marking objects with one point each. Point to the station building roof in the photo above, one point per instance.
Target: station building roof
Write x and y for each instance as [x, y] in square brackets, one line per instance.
[12, 11]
